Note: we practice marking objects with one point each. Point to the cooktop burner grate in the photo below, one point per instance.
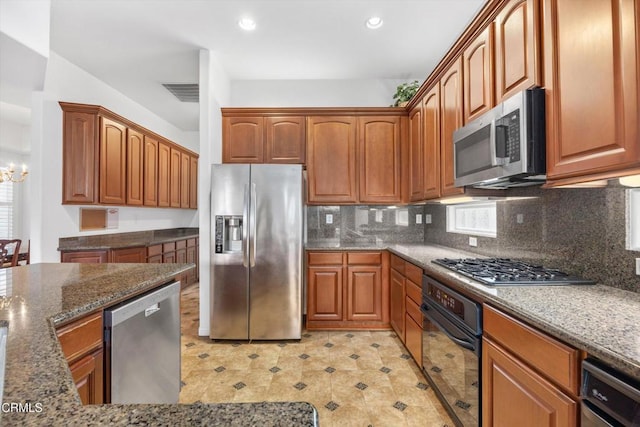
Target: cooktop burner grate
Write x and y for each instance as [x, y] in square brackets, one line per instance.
[504, 271]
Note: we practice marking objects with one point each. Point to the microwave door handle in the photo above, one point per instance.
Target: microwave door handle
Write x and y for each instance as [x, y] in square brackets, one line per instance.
[500, 139]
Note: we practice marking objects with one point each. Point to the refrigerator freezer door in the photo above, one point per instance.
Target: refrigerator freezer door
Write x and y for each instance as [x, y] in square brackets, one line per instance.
[275, 307]
[229, 277]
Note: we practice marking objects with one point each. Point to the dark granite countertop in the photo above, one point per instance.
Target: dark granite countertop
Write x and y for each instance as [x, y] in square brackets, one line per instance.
[125, 240]
[40, 297]
[602, 320]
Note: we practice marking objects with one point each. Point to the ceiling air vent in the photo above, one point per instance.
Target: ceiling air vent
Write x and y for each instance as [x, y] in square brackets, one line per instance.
[185, 92]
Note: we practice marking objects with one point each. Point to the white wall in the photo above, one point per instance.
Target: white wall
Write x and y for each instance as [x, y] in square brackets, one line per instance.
[50, 219]
[28, 22]
[313, 93]
[214, 92]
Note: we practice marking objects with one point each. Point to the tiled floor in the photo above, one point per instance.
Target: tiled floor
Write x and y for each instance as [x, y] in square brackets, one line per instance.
[352, 378]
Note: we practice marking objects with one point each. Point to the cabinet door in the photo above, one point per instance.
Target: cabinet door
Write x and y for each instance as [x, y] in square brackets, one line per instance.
[88, 376]
[135, 167]
[413, 338]
[164, 176]
[129, 255]
[513, 394]
[450, 120]
[416, 155]
[113, 162]
[331, 160]
[477, 61]
[79, 157]
[242, 140]
[285, 139]
[324, 297]
[591, 82]
[517, 48]
[379, 159]
[364, 293]
[431, 143]
[185, 178]
[193, 183]
[89, 257]
[150, 174]
[192, 257]
[397, 303]
[174, 178]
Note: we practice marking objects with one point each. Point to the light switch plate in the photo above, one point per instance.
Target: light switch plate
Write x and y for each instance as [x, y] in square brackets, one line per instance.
[638, 266]
[519, 218]
[418, 218]
[473, 241]
[427, 219]
[329, 219]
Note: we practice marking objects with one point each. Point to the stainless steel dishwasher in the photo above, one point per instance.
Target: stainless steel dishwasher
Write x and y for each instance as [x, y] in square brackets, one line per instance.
[142, 343]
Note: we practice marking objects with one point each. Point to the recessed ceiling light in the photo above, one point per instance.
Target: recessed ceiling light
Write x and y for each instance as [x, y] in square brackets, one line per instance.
[247, 24]
[374, 23]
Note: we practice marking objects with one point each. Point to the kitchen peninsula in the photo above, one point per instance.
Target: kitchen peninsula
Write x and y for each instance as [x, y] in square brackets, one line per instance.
[39, 298]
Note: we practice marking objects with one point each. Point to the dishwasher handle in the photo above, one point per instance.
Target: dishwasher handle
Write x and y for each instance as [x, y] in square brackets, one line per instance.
[142, 304]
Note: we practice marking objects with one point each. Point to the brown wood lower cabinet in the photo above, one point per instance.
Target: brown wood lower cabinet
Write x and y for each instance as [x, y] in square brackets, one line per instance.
[129, 255]
[92, 257]
[81, 343]
[405, 298]
[529, 379]
[347, 290]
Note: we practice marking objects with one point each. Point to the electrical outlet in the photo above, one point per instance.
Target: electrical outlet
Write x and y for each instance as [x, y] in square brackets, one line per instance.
[473, 241]
[329, 219]
[519, 218]
[418, 218]
[638, 266]
[427, 219]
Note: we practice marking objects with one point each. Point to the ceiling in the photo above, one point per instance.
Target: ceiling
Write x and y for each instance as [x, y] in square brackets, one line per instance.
[135, 45]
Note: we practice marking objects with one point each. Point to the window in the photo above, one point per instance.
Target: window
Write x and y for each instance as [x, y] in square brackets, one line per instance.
[6, 210]
[477, 219]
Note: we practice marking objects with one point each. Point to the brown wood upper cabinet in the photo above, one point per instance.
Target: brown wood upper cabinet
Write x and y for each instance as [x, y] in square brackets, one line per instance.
[110, 160]
[354, 159]
[263, 139]
[477, 60]
[450, 119]
[591, 82]
[113, 162]
[431, 143]
[416, 154]
[331, 159]
[517, 48]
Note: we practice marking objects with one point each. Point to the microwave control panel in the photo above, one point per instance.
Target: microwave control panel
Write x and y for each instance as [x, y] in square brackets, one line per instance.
[508, 137]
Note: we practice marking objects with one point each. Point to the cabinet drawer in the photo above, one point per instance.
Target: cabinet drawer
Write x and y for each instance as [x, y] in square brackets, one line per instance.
[181, 244]
[414, 291]
[413, 310]
[364, 258]
[169, 247]
[325, 258]
[81, 336]
[413, 338]
[413, 273]
[154, 250]
[552, 358]
[397, 263]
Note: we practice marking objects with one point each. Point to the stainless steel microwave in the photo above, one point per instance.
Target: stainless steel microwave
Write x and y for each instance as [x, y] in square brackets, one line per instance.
[505, 147]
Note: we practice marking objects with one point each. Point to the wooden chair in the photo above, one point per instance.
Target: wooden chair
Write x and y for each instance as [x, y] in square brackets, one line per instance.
[9, 256]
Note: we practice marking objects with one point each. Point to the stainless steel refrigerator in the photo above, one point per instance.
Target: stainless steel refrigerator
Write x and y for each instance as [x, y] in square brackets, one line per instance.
[256, 277]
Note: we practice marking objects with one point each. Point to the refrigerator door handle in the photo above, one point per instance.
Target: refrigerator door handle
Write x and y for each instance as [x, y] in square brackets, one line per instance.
[253, 220]
[245, 226]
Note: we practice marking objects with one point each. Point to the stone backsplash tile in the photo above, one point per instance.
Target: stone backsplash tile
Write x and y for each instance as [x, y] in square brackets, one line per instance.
[365, 224]
[580, 231]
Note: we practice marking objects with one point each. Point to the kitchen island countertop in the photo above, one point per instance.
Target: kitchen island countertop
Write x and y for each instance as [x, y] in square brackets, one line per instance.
[602, 320]
[41, 297]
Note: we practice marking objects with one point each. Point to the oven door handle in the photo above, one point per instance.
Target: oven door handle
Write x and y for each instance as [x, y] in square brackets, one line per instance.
[462, 343]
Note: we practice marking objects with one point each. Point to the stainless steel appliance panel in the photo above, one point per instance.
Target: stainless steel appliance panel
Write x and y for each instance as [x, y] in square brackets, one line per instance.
[275, 252]
[229, 292]
[144, 347]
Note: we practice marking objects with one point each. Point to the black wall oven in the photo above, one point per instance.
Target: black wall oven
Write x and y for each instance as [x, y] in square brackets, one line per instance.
[451, 350]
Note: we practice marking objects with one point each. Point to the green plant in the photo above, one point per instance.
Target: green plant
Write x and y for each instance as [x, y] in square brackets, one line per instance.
[405, 91]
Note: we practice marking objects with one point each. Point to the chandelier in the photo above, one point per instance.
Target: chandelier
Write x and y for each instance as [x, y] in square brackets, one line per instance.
[8, 175]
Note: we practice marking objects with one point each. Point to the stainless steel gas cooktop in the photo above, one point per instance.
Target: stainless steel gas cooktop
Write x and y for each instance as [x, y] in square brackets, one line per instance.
[504, 271]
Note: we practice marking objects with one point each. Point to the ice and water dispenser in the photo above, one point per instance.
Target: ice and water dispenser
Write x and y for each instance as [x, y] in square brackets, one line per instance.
[228, 233]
